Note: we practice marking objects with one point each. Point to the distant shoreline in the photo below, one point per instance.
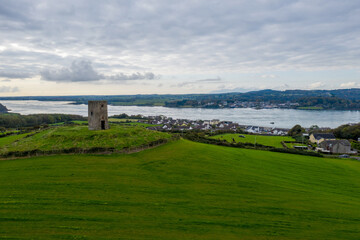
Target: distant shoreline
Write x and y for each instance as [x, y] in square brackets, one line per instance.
[319, 100]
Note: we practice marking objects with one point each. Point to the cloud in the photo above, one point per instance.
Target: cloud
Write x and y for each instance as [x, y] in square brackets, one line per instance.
[6, 89]
[79, 71]
[267, 76]
[210, 80]
[316, 85]
[179, 39]
[196, 36]
[349, 85]
[134, 76]
[15, 74]
[224, 89]
[83, 71]
[197, 82]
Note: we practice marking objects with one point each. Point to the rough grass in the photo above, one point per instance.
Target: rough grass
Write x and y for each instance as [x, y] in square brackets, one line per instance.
[68, 137]
[132, 122]
[122, 120]
[273, 141]
[181, 190]
[11, 138]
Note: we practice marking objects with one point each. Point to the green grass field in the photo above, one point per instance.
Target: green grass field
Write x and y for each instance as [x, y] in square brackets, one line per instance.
[80, 122]
[9, 131]
[140, 124]
[273, 141]
[310, 108]
[11, 138]
[130, 122]
[67, 137]
[180, 190]
[291, 145]
[122, 120]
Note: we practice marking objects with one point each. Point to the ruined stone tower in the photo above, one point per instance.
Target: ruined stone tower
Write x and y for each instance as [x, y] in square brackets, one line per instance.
[98, 115]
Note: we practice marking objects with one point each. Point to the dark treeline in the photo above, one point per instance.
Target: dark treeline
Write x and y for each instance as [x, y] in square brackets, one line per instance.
[125, 116]
[348, 131]
[19, 121]
[329, 103]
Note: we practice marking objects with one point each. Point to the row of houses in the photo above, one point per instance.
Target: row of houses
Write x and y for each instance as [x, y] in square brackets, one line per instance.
[327, 143]
[267, 130]
[163, 123]
[169, 124]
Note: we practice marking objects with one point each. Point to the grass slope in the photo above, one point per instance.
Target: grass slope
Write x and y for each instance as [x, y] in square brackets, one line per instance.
[67, 137]
[181, 190]
[4, 141]
[274, 141]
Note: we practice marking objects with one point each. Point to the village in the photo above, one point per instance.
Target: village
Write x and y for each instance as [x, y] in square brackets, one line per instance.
[163, 123]
[325, 143]
[233, 104]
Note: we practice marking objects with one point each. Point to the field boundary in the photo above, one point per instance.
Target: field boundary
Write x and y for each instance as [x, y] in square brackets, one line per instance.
[93, 150]
[202, 139]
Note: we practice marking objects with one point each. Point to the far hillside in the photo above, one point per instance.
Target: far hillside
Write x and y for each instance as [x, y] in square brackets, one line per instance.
[3, 109]
[340, 99]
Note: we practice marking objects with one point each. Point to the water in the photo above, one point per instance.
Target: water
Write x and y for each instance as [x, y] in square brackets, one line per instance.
[285, 118]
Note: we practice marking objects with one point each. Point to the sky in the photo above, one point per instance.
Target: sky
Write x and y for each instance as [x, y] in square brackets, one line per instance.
[176, 47]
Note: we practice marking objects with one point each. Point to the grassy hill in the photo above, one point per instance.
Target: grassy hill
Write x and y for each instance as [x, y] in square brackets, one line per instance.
[273, 141]
[79, 138]
[180, 190]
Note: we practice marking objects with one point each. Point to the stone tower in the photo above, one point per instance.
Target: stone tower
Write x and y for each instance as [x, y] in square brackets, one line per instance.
[98, 115]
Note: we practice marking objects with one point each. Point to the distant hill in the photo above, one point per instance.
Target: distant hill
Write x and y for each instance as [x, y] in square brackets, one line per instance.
[290, 95]
[3, 109]
[316, 99]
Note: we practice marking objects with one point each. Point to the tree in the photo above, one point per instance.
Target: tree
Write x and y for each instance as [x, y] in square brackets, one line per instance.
[348, 131]
[296, 130]
[314, 128]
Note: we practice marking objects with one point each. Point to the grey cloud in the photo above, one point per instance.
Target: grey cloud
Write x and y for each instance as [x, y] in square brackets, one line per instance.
[15, 74]
[83, 71]
[196, 82]
[7, 89]
[79, 71]
[237, 89]
[184, 36]
[134, 76]
[211, 80]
